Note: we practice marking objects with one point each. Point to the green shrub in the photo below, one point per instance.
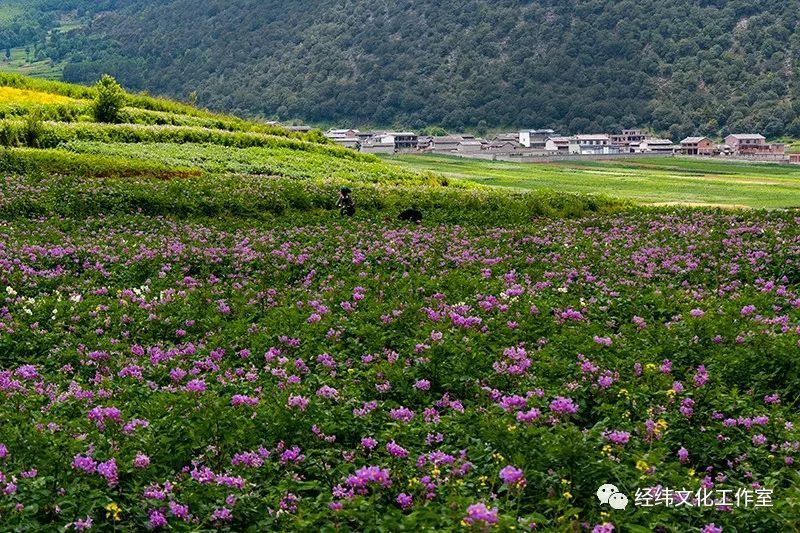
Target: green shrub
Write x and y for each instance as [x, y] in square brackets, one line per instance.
[109, 100]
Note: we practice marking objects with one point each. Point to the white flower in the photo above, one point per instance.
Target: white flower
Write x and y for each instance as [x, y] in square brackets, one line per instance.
[10, 290]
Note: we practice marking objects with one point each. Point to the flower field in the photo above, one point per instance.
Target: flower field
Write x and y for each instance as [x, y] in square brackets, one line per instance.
[206, 374]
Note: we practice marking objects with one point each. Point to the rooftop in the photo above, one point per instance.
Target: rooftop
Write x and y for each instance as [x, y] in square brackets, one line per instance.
[748, 136]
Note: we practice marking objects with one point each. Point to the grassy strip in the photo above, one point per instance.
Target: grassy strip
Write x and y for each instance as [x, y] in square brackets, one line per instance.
[33, 161]
[52, 134]
[264, 198]
[272, 161]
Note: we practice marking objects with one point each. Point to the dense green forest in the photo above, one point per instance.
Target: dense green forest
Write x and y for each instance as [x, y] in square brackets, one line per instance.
[679, 66]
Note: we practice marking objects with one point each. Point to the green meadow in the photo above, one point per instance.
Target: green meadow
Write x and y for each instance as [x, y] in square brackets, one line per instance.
[651, 180]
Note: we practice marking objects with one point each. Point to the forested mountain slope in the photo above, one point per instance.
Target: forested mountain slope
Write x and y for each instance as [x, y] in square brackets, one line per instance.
[679, 66]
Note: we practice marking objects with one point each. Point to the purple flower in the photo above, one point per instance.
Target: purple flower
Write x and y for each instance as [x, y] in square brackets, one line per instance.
[179, 510]
[243, 399]
[157, 519]
[395, 449]
[701, 377]
[617, 437]
[328, 392]
[141, 460]
[528, 416]
[683, 455]
[422, 384]
[82, 524]
[711, 528]
[196, 385]
[370, 475]
[403, 414]
[301, 402]
[512, 476]
[748, 310]
[562, 405]
[404, 500]
[85, 463]
[478, 512]
[687, 407]
[222, 514]
[108, 470]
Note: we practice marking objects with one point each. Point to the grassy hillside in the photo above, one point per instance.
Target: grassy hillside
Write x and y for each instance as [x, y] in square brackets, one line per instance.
[165, 156]
[655, 180]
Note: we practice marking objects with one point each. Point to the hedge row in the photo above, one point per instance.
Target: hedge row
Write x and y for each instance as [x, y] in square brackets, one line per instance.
[52, 134]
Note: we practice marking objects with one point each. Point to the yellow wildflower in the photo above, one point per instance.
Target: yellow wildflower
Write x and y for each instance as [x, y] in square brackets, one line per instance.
[113, 511]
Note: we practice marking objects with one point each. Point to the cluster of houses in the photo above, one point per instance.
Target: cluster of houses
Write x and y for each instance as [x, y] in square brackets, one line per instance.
[545, 142]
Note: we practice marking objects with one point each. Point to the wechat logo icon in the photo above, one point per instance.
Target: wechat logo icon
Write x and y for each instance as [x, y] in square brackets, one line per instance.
[611, 495]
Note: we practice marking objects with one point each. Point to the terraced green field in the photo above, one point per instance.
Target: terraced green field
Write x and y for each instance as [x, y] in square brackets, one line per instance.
[652, 180]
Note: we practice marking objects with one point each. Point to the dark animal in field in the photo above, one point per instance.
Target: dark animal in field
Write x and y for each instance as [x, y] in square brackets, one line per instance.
[413, 215]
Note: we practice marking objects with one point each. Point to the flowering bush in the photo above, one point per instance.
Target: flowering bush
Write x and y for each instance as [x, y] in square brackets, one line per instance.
[157, 373]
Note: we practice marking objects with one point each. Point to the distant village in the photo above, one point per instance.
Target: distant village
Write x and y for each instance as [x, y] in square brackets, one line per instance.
[545, 144]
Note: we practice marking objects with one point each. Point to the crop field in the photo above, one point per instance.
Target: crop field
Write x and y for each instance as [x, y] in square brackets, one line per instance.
[14, 96]
[656, 180]
[192, 338]
[365, 374]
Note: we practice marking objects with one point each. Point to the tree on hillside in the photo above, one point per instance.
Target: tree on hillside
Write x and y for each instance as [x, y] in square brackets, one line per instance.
[109, 101]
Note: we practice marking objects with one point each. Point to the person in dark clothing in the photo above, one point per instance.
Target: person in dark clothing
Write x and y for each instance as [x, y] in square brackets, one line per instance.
[412, 214]
[346, 205]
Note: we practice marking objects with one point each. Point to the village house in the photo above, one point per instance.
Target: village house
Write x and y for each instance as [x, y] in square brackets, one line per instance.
[557, 144]
[445, 143]
[624, 140]
[376, 146]
[347, 138]
[794, 158]
[697, 146]
[511, 137]
[470, 146]
[535, 138]
[752, 144]
[594, 144]
[402, 140]
[656, 146]
[502, 146]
